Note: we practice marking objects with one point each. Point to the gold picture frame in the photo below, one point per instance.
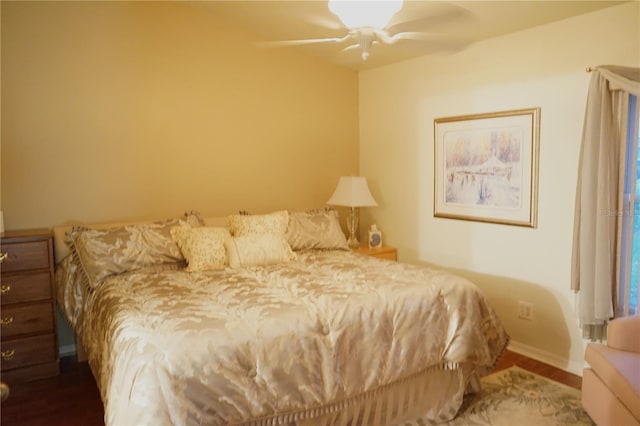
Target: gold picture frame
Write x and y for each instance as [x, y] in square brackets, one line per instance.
[486, 167]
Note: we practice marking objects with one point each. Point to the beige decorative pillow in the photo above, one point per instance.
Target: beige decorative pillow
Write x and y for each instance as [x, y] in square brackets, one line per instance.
[255, 250]
[316, 229]
[203, 247]
[259, 224]
[105, 252]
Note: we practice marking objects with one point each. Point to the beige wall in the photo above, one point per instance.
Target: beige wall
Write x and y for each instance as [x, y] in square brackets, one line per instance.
[114, 110]
[543, 66]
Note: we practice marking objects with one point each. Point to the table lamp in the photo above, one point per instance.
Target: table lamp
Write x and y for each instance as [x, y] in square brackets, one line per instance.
[352, 191]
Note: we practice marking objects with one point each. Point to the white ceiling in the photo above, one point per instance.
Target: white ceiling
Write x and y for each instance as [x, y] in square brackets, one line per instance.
[451, 25]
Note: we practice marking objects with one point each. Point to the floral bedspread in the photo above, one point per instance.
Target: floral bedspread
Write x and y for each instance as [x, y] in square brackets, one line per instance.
[229, 346]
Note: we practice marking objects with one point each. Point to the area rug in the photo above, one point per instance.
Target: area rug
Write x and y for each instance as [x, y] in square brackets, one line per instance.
[517, 397]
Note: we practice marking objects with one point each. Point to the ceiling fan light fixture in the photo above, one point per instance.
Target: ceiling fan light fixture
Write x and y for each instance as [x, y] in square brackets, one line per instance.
[365, 13]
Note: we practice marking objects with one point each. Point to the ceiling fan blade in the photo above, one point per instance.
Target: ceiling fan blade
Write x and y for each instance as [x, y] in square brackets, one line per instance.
[349, 48]
[410, 35]
[362, 52]
[328, 22]
[426, 42]
[439, 16]
[315, 13]
[302, 42]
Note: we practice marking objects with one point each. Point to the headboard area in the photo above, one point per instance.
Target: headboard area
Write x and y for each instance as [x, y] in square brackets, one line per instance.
[61, 250]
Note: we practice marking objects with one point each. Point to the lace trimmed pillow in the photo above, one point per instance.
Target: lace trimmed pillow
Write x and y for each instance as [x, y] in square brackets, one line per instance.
[316, 229]
[260, 224]
[203, 247]
[104, 252]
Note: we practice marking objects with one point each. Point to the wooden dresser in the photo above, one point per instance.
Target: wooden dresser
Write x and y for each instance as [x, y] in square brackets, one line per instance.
[28, 322]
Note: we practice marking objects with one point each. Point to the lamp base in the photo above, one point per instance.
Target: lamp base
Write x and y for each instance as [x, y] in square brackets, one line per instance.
[352, 225]
[353, 242]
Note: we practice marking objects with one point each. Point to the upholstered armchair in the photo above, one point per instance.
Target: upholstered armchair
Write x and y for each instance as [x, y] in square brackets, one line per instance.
[611, 386]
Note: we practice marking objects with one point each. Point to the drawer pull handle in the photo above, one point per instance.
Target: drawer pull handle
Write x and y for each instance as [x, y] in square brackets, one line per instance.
[5, 322]
[4, 289]
[3, 257]
[8, 355]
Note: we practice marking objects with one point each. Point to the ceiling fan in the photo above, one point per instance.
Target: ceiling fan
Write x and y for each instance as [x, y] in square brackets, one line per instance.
[367, 22]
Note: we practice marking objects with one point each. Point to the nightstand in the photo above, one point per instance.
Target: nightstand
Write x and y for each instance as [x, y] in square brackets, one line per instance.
[29, 343]
[384, 252]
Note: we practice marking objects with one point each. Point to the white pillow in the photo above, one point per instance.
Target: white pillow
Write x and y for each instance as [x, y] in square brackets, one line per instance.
[202, 247]
[255, 250]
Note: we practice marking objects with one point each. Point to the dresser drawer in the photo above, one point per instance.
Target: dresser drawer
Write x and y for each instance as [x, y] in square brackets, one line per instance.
[30, 319]
[28, 351]
[25, 255]
[25, 287]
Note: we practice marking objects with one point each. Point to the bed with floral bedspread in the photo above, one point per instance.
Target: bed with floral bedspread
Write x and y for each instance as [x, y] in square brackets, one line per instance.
[325, 337]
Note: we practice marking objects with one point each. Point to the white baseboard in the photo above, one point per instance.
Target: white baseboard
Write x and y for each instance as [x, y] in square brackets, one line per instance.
[547, 357]
[67, 350]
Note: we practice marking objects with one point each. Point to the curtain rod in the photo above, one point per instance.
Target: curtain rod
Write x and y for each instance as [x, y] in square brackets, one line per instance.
[589, 69]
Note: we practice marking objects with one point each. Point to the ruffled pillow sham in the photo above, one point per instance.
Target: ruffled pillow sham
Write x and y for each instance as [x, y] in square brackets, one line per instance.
[70, 289]
[316, 229]
[105, 252]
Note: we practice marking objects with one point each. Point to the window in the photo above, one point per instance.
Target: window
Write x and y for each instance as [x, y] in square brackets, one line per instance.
[630, 224]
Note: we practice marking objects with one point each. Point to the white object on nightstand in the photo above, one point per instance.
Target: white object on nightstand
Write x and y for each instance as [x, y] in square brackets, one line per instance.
[375, 237]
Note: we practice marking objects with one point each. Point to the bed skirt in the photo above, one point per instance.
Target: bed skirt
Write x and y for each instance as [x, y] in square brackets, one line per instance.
[433, 395]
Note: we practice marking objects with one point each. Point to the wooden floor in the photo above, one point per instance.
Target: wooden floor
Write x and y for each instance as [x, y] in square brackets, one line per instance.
[72, 398]
[510, 359]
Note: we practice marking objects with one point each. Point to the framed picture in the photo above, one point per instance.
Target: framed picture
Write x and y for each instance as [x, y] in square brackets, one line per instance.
[486, 167]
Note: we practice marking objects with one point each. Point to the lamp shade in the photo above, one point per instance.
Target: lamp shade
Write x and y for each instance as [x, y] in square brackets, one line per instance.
[352, 191]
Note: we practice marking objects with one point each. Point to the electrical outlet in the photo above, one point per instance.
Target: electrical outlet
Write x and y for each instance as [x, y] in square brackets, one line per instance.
[525, 311]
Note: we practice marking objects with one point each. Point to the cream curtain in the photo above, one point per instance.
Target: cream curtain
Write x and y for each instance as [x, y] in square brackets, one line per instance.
[595, 241]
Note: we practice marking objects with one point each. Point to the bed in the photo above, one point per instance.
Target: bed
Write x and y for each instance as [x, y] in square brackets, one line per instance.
[290, 327]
